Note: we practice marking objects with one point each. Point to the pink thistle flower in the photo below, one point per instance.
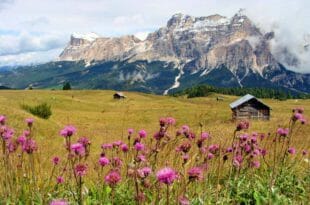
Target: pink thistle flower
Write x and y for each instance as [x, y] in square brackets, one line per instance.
[106, 146]
[166, 175]
[130, 131]
[244, 137]
[112, 178]
[210, 156]
[30, 146]
[229, 149]
[237, 161]
[84, 141]
[283, 132]
[11, 146]
[124, 147]
[29, 122]
[298, 110]
[78, 149]
[139, 146]
[184, 147]
[26, 133]
[171, 121]
[21, 139]
[80, 170]
[2, 120]
[142, 133]
[6, 133]
[185, 158]
[103, 161]
[60, 180]
[195, 173]
[141, 158]
[297, 116]
[59, 202]
[183, 200]
[255, 164]
[162, 122]
[214, 148]
[68, 131]
[144, 172]
[117, 162]
[204, 135]
[117, 143]
[243, 125]
[56, 160]
[263, 152]
[291, 150]
[159, 135]
[185, 129]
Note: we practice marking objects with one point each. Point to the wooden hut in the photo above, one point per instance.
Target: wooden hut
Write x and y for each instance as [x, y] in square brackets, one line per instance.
[249, 107]
[119, 95]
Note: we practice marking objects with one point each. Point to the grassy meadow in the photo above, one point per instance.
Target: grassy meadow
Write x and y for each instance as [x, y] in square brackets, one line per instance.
[103, 119]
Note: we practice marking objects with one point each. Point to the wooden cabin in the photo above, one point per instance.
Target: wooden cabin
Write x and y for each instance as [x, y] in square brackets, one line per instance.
[249, 107]
[119, 95]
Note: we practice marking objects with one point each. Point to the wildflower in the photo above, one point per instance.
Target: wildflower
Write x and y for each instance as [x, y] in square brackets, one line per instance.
[237, 160]
[103, 161]
[263, 152]
[291, 150]
[142, 133]
[21, 139]
[117, 162]
[68, 131]
[166, 175]
[141, 158]
[243, 137]
[80, 170]
[106, 146]
[204, 135]
[6, 133]
[185, 129]
[297, 116]
[30, 146]
[243, 125]
[195, 173]
[255, 164]
[112, 178]
[144, 172]
[56, 160]
[214, 148]
[60, 180]
[162, 122]
[159, 135]
[84, 141]
[117, 143]
[124, 147]
[298, 110]
[139, 146]
[283, 132]
[183, 200]
[185, 158]
[185, 147]
[29, 122]
[2, 120]
[11, 146]
[171, 121]
[59, 202]
[229, 149]
[78, 149]
[130, 131]
[199, 143]
[210, 156]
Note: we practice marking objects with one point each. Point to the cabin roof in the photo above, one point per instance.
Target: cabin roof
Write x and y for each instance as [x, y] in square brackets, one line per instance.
[244, 99]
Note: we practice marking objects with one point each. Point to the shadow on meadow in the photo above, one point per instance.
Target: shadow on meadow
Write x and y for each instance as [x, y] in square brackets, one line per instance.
[257, 168]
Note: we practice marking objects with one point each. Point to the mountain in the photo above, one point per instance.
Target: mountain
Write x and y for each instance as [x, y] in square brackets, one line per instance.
[220, 51]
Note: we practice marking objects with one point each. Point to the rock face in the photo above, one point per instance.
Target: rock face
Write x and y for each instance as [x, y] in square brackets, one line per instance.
[189, 50]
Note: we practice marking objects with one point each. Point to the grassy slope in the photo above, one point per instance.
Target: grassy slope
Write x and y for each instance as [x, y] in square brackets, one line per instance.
[103, 119]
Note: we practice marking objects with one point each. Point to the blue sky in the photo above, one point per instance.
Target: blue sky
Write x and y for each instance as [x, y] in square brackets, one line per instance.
[33, 31]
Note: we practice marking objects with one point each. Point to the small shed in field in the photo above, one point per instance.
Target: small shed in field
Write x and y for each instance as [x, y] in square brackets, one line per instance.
[119, 95]
[249, 107]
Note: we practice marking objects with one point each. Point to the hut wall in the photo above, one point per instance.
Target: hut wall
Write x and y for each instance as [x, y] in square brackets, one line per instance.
[251, 110]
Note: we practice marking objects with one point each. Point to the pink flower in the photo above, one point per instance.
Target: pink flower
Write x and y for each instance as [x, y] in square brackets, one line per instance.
[210, 156]
[30, 146]
[130, 131]
[304, 152]
[283, 132]
[139, 146]
[291, 150]
[142, 133]
[106, 146]
[80, 170]
[60, 180]
[144, 172]
[255, 164]
[243, 125]
[2, 119]
[124, 147]
[298, 110]
[11, 146]
[195, 173]
[112, 178]
[84, 141]
[103, 161]
[56, 160]
[204, 135]
[117, 162]
[183, 200]
[78, 149]
[185, 129]
[170, 121]
[21, 139]
[237, 162]
[6, 133]
[214, 148]
[59, 202]
[117, 143]
[68, 131]
[297, 116]
[166, 175]
[185, 157]
[162, 122]
[141, 158]
[29, 122]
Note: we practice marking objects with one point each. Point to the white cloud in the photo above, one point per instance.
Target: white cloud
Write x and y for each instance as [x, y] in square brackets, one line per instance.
[141, 35]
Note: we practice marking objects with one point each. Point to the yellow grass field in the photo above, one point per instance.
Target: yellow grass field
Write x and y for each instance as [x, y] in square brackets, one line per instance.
[101, 118]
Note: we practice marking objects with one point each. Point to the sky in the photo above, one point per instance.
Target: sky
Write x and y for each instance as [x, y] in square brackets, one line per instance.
[36, 31]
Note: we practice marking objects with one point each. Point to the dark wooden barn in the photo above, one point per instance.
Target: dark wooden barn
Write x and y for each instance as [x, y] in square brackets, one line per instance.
[119, 95]
[249, 107]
